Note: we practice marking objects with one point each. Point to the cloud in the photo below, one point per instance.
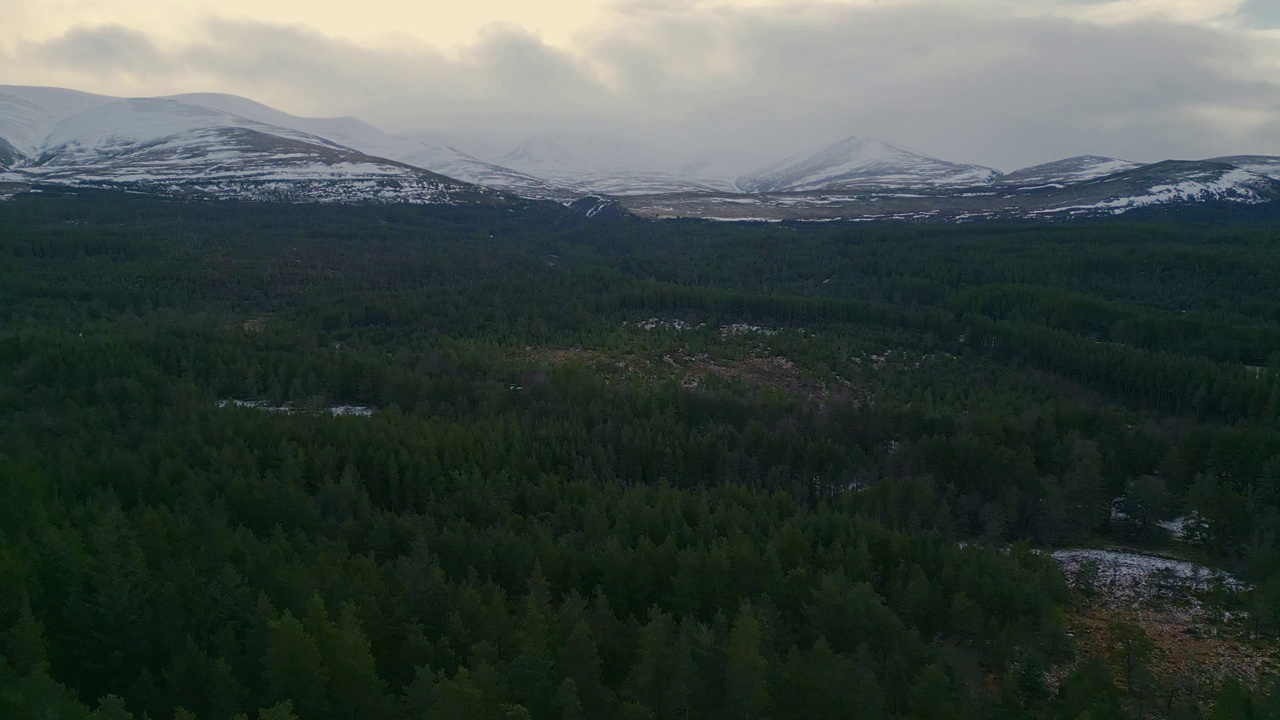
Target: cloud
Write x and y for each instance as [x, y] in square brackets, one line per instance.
[103, 50]
[990, 81]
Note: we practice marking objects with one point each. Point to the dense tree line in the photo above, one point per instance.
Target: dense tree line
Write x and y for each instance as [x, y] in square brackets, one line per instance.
[530, 526]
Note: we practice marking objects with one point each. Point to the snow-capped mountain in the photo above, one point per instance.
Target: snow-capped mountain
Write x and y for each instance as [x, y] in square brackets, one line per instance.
[28, 114]
[1169, 185]
[863, 163]
[604, 165]
[361, 136]
[1163, 183]
[163, 145]
[1268, 165]
[1067, 171]
[223, 146]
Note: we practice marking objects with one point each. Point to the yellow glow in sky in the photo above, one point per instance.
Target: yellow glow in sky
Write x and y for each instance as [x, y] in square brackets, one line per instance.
[452, 23]
[435, 22]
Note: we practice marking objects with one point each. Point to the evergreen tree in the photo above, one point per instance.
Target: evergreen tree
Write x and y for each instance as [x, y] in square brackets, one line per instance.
[746, 669]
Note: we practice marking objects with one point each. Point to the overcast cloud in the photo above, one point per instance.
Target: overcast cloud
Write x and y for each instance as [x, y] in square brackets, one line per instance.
[996, 82]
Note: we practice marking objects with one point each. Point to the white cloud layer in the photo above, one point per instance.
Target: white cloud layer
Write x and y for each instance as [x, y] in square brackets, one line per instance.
[1000, 82]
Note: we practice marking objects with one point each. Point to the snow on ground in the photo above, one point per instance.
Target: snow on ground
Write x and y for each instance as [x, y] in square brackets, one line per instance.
[743, 219]
[724, 330]
[863, 162]
[743, 328]
[29, 114]
[291, 409]
[1067, 171]
[659, 323]
[1234, 185]
[1127, 574]
[1182, 528]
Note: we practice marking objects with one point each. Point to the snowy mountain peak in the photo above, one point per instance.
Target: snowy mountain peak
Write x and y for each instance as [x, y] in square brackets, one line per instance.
[28, 114]
[865, 149]
[539, 149]
[359, 135]
[861, 162]
[1069, 170]
[256, 111]
[116, 127]
[166, 146]
[224, 146]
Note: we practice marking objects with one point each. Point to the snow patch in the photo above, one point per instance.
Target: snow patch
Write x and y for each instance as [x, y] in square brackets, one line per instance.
[1130, 574]
[291, 409]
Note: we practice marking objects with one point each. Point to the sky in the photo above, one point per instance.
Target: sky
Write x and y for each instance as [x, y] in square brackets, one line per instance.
[1004, 83]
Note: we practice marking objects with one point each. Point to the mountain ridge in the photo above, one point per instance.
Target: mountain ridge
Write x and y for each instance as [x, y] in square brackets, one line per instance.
[1077, 168]
[226, 146]
[861, 162]
[161, 145]
[359, 135]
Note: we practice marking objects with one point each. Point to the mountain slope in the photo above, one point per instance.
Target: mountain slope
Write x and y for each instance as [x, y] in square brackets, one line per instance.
[1170, 185]
[1070, 170]
[1163, 183]
[8, 155]
[29, 114]
[1268, 165]
[863, 163]
[361, 136]
[165, 146]
[605, 165]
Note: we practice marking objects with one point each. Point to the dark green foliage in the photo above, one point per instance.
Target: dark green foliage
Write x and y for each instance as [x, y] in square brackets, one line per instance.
[525, 529]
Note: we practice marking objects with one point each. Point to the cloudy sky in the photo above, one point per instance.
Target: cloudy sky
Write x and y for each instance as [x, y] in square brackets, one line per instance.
[1004, 83]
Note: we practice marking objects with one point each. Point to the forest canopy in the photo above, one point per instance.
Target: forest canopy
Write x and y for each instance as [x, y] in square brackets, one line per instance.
[273, 461]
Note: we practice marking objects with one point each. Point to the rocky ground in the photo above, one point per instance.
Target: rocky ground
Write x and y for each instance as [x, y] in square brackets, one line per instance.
[1181, 607]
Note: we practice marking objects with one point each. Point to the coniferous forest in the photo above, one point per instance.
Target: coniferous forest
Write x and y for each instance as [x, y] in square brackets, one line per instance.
[273, 461]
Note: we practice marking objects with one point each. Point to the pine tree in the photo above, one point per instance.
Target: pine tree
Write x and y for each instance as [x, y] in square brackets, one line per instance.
[648, 679]
[457, 698]
[356, 690]
[294, 670]
[931, 696]
[580, 662]
[746, 669]
[420, 695]
[282, 711]
[567, 702]
[112, 707]
[25, 645]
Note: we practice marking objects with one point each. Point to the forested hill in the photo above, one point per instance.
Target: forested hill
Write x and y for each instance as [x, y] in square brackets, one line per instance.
[272, 461]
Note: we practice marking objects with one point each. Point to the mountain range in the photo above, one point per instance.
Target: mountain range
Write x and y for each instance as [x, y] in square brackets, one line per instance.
[228, 147]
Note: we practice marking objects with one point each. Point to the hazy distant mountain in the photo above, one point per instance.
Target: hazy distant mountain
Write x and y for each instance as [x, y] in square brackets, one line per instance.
[1169, 184]
[223, 146]
[863, 163]
[1261, 164]
[484, 149]
[720, 167]
[605, 165]
[1071, 170]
